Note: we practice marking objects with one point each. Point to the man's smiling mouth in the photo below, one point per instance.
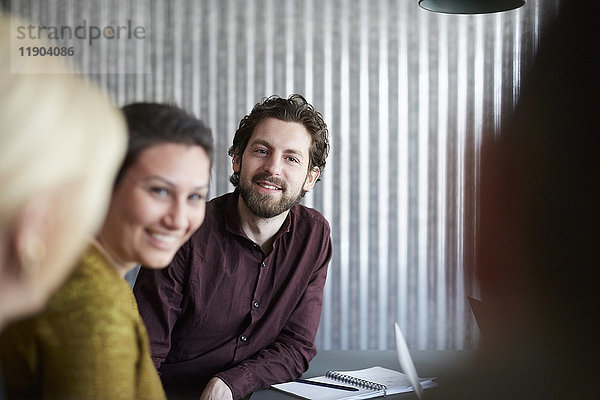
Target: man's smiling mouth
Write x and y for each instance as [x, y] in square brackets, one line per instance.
[268, 185]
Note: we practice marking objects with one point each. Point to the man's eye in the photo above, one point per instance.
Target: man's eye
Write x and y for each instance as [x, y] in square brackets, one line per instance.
[293, 159]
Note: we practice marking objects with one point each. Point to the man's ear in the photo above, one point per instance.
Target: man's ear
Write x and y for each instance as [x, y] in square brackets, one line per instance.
[237, 163]
[311, 178]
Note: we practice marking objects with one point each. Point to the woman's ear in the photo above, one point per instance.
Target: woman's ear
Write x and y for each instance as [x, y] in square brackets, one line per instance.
[8, 259]
[23, 258]
[311, 178]
[29, 235]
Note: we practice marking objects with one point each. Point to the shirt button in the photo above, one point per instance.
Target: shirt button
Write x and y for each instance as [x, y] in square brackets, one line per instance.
[255, 304]
[262, 264]
[244, 338]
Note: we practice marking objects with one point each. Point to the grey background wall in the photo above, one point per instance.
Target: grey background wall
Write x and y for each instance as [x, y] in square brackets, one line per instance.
[407, 95]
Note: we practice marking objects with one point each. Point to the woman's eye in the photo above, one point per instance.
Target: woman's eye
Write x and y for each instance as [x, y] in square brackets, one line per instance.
[196, 197]
[158, 191]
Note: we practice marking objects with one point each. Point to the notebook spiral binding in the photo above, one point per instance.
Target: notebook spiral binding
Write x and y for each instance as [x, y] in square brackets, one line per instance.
[337, 376]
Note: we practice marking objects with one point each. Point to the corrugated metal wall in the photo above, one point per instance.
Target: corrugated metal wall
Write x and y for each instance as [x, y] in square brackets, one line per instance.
[407, 95]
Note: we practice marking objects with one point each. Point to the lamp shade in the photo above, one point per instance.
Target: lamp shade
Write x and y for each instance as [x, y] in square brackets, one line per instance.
[470, 6]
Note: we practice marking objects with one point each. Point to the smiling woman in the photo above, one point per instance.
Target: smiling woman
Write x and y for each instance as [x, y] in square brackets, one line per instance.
[91, 341]
[156, 206]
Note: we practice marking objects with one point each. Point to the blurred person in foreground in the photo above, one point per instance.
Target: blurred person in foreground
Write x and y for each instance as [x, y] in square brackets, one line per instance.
[537, 258]
[61, 142]
[239, 306]
[91, 342]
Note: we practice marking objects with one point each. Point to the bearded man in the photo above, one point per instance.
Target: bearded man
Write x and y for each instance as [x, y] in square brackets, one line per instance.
[239, 307]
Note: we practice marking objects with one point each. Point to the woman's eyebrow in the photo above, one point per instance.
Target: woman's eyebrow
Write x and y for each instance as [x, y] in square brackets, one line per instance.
[171, 184]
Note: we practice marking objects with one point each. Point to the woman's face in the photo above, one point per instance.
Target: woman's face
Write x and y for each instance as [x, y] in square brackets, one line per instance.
[157, 205]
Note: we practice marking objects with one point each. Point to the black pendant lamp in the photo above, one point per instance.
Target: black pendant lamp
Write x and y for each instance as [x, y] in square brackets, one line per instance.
[470, 6]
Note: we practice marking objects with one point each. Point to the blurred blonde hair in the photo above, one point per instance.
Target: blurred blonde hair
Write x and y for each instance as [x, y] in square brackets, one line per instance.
[54, 130]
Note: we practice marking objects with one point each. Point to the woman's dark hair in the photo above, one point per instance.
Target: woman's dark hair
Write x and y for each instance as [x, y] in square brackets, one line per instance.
[293, 109]
[150, 124]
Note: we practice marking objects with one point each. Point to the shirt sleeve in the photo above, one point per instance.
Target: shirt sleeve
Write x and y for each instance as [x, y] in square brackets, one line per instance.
[159, 295]
[288, 356]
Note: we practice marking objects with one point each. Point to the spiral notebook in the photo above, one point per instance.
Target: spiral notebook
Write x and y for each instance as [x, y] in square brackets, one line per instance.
[363, 383]
[370, 382]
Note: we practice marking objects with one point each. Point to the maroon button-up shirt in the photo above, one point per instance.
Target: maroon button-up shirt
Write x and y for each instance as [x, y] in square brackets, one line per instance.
[224, 308]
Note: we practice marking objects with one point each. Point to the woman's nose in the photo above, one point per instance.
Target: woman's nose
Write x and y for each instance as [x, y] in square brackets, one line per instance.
[175, 217]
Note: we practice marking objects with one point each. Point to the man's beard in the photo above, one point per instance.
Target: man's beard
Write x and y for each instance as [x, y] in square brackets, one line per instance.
[262, 205]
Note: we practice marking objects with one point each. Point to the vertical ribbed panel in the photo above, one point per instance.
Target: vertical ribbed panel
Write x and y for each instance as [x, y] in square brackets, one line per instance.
[439, 260]
[383, 169]
[408, 96]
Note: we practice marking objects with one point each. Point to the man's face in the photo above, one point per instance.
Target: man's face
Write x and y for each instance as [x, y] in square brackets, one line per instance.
[274, 167]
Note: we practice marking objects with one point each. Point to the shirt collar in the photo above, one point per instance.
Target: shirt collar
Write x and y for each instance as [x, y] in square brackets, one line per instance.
[232, 217]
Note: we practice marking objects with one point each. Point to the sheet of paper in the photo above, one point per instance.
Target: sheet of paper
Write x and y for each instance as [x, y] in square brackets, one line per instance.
[406, 362]
[323, 393]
